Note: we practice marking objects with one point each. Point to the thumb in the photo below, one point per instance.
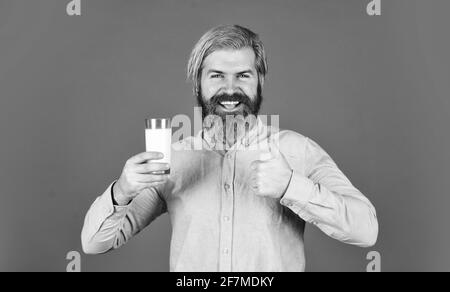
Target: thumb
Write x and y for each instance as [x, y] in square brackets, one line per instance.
[265, 153]
[274, 148]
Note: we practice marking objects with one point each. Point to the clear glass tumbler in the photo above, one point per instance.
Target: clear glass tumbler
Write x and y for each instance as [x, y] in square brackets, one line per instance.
[158, 137]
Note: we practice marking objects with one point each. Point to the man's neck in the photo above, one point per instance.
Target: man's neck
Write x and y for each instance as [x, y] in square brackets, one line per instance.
[223, 134]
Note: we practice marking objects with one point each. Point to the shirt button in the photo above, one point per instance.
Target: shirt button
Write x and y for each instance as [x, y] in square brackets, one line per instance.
[226, 251]
[227, 187]
[226, 218]
[228, 155]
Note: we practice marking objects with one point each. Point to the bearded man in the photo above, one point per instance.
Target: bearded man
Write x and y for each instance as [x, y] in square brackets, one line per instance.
[230, 209]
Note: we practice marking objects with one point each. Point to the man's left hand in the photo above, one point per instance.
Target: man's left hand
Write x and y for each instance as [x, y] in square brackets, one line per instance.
[271, 177]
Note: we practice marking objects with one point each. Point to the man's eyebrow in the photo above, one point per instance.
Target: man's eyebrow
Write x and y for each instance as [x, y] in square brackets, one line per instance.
[215, 71]
[245, 72]
[248, 71]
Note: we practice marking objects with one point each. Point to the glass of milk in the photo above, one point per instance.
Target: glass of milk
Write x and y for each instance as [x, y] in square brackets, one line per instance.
[158, 137]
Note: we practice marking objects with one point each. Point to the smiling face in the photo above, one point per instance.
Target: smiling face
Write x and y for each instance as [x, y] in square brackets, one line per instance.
[229, 84]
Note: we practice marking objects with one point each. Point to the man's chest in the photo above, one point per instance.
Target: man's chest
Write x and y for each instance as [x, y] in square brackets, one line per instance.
[208, 184]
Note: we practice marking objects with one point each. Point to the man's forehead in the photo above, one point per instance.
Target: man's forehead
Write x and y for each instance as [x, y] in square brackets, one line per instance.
[230, 59]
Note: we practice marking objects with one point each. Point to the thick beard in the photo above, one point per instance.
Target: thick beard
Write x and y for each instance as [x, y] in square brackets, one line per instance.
[237, 123]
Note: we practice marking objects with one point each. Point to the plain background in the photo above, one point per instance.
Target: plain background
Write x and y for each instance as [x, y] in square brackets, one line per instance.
[74, 93]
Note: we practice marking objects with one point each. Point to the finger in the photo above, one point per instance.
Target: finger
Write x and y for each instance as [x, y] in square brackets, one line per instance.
[151, 178]
[145, 156]
[152, 167]
[264, 153]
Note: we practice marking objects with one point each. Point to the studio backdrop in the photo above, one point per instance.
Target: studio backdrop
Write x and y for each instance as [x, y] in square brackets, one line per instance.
[373, 91]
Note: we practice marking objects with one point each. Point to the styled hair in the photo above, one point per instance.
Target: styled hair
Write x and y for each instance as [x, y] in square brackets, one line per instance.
[225, 37]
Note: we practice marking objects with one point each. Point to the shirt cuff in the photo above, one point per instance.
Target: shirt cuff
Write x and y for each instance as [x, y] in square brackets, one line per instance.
[106, 206]
[100, 211]
[298, 194]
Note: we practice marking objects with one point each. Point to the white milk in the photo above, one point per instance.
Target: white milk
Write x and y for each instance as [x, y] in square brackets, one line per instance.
[159, 140]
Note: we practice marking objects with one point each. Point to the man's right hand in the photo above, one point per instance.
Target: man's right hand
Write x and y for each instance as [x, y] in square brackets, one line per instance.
[138, 174]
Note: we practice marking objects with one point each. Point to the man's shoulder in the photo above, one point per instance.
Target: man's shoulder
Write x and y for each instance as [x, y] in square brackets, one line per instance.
[290, 137]
[290, 142]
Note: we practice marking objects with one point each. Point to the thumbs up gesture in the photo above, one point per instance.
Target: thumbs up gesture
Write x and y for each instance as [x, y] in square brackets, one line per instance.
[271, 174]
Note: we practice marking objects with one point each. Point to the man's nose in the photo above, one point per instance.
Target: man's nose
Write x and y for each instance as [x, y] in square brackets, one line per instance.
[230, 87]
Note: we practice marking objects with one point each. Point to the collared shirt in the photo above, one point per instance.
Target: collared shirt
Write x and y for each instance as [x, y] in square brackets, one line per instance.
[220, 224]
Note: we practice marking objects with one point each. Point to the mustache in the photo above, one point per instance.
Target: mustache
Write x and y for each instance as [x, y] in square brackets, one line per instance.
[211, 105]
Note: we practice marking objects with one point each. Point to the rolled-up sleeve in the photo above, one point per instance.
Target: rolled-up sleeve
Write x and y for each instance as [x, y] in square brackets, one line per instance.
[107, 226]
[325, 197]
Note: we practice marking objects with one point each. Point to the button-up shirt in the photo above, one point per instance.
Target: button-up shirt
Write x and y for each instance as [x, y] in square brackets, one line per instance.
[220, 224]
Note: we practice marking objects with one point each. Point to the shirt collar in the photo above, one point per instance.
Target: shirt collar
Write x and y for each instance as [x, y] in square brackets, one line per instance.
[258, 134]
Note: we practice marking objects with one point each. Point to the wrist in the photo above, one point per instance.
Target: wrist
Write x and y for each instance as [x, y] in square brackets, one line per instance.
[118, 197]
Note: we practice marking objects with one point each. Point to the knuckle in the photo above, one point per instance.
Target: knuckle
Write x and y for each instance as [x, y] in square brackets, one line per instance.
[129, 165]
[148, 168]
[127, 172]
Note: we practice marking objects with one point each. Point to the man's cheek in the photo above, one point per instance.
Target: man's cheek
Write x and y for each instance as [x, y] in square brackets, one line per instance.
[208, 90]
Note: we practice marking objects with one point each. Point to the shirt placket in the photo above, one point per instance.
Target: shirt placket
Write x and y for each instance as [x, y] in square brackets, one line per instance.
[226, 219]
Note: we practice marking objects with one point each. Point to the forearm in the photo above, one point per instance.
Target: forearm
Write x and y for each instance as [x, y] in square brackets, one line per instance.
[342, 213]
[101, 224]
[108, 226]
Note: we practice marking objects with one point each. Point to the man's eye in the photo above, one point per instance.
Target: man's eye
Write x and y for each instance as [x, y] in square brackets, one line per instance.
[244, 76]
[216, 76]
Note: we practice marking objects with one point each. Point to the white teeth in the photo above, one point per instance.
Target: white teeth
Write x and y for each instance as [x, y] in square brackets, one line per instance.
[229, 102]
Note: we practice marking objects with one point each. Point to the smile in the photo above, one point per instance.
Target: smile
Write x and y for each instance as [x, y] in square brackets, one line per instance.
[230, 105]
